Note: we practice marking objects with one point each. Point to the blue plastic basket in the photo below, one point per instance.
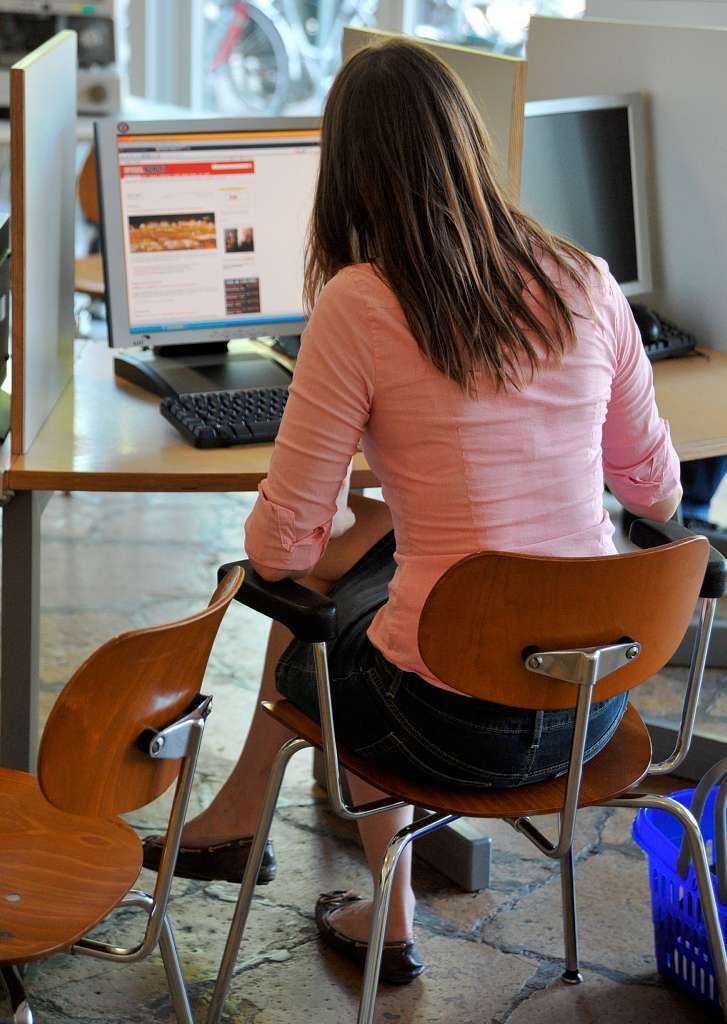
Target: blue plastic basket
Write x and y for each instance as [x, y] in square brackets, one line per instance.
[682, 943]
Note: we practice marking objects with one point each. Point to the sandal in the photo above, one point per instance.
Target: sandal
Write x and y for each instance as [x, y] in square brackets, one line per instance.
[222, 862]
[401, 962]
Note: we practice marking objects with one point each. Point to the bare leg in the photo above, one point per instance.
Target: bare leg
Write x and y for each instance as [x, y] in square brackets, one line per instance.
[355, 920]
[234, 811]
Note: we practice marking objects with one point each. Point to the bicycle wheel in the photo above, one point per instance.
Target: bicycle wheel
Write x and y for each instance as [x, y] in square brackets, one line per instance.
[255, 78]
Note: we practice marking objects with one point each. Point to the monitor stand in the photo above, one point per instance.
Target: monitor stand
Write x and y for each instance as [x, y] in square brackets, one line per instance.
[172, 370]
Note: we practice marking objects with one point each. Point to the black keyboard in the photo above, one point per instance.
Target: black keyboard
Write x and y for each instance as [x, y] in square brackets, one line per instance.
[673, 342]
[217, 419]
[662, 339]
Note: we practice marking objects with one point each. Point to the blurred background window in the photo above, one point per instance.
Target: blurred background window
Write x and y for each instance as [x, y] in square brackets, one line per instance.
[262, 58]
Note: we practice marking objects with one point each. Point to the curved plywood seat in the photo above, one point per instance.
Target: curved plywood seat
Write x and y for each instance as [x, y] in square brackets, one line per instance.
[60, 874]
[621, 765]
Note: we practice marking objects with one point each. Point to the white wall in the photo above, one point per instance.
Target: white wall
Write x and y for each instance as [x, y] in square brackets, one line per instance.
[683, 74]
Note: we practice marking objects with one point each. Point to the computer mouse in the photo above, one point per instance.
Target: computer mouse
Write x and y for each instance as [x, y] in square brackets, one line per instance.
[647, 322]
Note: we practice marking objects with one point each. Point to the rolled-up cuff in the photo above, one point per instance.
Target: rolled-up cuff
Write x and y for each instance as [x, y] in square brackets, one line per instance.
[651, 480]
[271, 537]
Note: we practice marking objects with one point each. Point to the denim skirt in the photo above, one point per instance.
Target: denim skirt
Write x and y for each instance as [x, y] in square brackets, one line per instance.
[420, 731]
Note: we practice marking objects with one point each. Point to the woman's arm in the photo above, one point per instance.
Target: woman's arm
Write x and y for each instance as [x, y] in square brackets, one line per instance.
[661, 511]
[640, 464]
[303, 500]
[343, 520]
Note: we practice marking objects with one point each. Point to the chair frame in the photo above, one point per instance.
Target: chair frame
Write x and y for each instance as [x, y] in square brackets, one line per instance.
[581, 666]
[182, 738]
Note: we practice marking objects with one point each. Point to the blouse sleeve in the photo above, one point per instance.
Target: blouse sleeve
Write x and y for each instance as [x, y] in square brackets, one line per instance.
[327, 411]
[640, 464]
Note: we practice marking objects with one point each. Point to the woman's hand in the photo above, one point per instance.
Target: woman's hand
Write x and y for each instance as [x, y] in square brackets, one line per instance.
[343, 518]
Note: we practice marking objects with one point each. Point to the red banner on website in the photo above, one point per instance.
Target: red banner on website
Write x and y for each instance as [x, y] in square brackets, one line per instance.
[223, 167]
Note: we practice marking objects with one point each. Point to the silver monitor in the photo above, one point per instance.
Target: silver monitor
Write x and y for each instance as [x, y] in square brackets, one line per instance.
[584, 177]
[203, 227]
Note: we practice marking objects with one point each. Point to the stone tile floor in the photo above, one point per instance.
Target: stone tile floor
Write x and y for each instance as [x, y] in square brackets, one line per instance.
[113, 562]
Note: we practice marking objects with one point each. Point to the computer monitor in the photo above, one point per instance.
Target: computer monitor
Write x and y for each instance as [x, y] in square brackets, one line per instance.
[204, 226]
[584, 177]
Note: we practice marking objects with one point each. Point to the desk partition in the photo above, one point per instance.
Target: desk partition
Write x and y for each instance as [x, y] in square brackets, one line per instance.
[496, 84]
[43, 175]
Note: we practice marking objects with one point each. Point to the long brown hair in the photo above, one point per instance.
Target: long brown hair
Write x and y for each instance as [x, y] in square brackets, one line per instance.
[406, 182]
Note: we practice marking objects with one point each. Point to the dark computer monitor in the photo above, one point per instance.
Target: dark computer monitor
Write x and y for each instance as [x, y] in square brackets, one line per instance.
[584, 177]
[204, 226]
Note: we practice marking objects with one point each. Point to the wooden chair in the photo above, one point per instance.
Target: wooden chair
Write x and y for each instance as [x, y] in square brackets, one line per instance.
[531, 632]
[127, 725]
[89, 276]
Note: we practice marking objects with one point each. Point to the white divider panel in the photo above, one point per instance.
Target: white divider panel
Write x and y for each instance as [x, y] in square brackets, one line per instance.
[497, 86]
[43, 175]
[683, 74]
[661, 12]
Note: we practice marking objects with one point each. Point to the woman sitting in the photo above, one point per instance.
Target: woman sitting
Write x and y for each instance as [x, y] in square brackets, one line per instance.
[494, 376]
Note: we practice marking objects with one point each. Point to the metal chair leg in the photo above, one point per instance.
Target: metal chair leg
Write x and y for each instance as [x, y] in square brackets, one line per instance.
[380, 910]
[22, 1014]
[249, 879]
[572, 974]
[703, 875]
[175, 977]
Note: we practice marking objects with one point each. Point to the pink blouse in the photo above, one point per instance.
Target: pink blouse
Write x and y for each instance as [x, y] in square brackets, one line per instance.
[508, 471]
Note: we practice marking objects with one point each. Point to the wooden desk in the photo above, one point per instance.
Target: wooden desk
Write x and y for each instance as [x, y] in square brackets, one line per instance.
[692, 395]
[107, 435]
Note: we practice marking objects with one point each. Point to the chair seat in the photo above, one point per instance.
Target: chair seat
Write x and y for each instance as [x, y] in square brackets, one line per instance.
[89, 276]
[619, 766]
[60, 874]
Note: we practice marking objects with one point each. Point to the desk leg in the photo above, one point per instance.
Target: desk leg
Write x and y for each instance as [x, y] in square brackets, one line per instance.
[20, 630]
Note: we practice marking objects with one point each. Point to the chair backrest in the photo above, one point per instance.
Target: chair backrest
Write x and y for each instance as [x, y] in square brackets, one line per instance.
[88, 189]
[490, 607]
[89, 762]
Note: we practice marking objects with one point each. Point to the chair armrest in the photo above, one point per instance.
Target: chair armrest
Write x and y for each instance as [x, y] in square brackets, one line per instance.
[308, 615]
[646, 533]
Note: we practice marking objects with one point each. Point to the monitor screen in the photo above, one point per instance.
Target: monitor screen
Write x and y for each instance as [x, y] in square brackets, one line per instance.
[204, 228]
[582, 180]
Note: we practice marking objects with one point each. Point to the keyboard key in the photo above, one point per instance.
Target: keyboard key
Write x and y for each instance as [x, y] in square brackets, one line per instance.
[264, 430]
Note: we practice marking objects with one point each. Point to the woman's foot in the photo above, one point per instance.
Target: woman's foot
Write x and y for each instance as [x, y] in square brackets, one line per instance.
[343, 921]
[353, 919]
[211, 829]
[231, 814]
[223, 862]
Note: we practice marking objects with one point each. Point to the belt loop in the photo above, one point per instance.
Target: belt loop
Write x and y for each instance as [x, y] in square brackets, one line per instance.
[385, 678]
[394, 683]
[537, 729]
